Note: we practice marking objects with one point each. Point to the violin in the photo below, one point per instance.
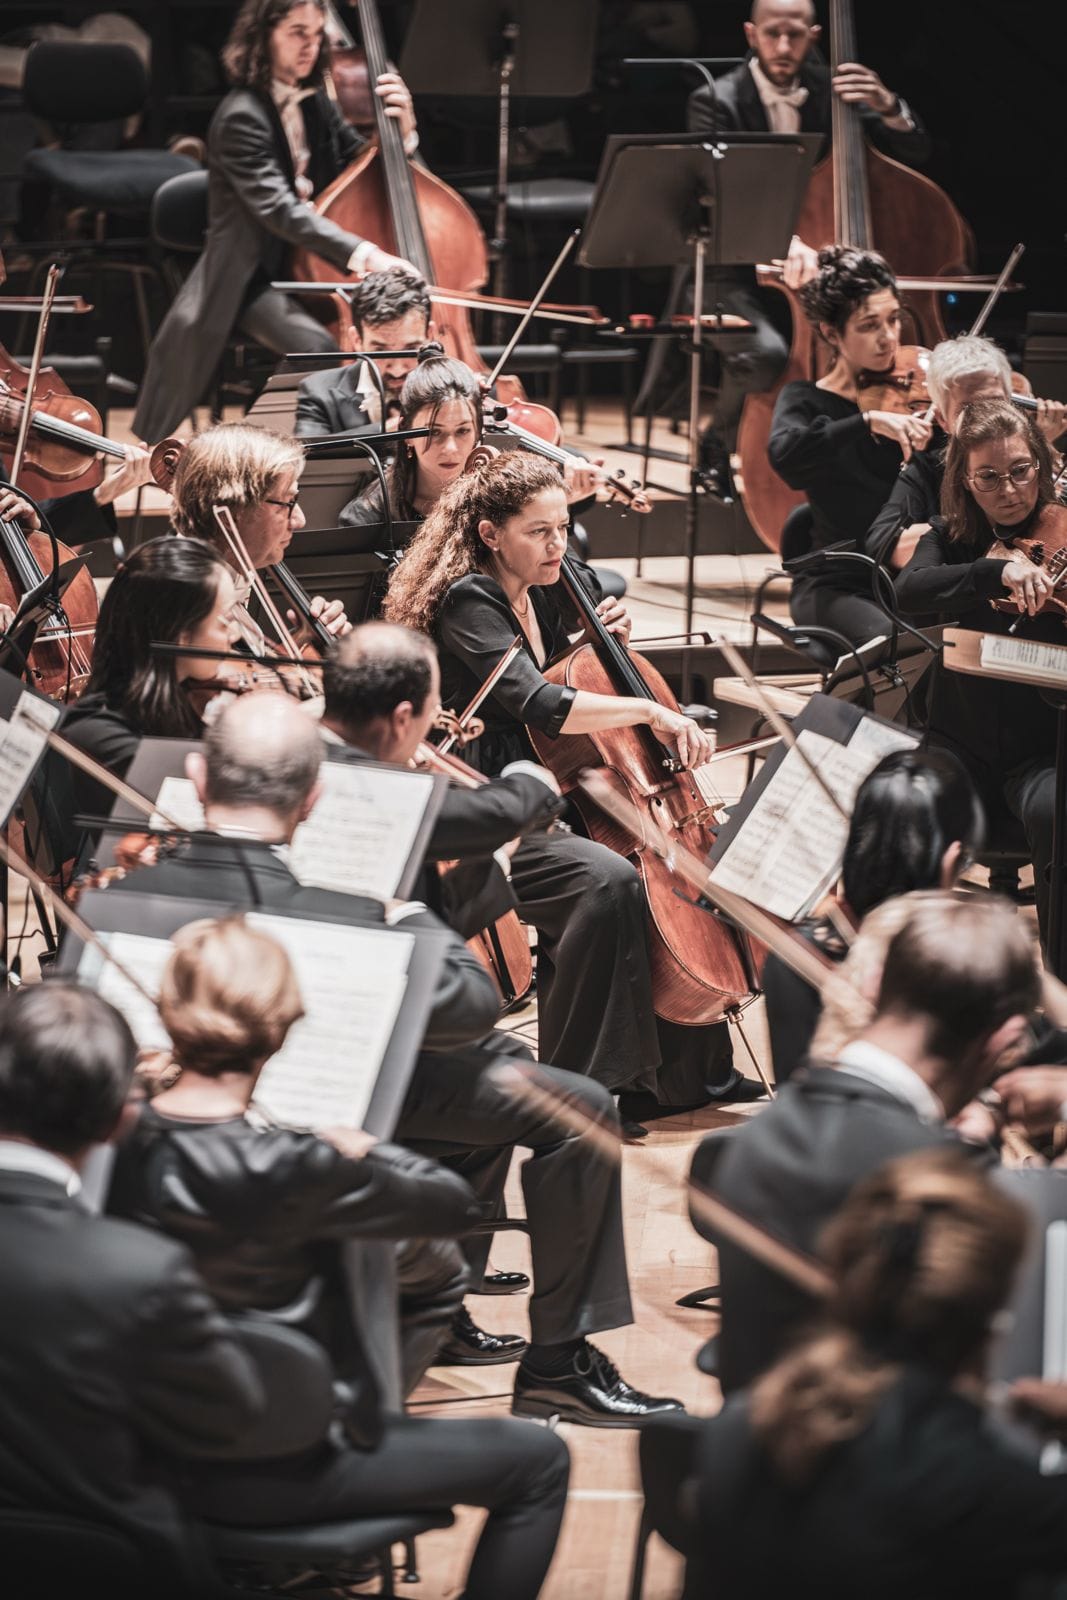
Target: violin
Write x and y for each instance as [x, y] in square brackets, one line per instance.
[64, 442]
[60, 659]
[902, 388]
[1046, 546]
[498, 420]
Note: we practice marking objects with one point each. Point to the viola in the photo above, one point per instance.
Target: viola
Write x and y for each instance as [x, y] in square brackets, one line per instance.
[60, 659]
[902, 388]
[64, 442]
[1046, 546]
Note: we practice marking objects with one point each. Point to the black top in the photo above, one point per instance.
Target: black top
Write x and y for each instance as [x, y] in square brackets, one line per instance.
[819, 443]
[993, 725]
[914, 497]
[925, 1502]
[473, 630]
[109, 736]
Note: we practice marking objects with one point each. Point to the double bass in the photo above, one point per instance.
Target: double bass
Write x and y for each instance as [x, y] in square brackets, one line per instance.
[859, 197]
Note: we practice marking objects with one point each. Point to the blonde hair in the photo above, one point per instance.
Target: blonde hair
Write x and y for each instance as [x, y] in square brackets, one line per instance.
[923, 1255]
[228, 997]
[447, 546]
[964, 357]
[232, 465]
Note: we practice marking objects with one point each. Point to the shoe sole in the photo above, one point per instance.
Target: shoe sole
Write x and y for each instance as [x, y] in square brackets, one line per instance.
[501, 1360]
[541, 1410]
[520, 1288]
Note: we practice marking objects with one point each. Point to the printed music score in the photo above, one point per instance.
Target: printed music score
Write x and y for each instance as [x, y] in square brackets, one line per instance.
[23, 741]
[360, 835]
[1032, 661]
[787, 854]
[352, 981]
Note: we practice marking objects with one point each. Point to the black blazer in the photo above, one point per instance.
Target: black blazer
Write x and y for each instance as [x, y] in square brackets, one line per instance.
[330, 402]
[925, 1502]
[249, 874]
[113, 1363]
[790, 1169]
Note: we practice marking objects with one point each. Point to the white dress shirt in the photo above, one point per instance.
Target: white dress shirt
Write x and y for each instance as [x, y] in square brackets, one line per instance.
[18, 1157]
[889, 1072]
[781, 105]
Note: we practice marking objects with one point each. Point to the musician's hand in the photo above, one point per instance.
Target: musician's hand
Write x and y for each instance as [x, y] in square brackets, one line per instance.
[615, 617]
[329, 612]
[1027, 584]
[396, 95]
[351, 1142]
[1033, 1097]
[377, 260]
[693, 745]
[7, 617]
[800, 265]
[976, 1123]
[16, 509]
[910, 432]
[583, 478]
[1052, 418]
[861, 85]
[1043, 1399]
[906, 545]
[133, 473]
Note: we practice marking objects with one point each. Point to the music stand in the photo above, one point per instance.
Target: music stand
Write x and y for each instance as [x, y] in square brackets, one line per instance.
[532, 48]
[663, 202]
[349, 564]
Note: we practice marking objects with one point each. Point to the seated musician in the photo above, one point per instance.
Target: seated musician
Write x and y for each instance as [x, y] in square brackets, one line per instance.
[255, 474]
[958, 983]
[959, 370]
[844, 458]
[390, 311]
[998, 481]
[265, 1209]
[867, 1449]
[275, 142]
[916, 824]
[117, 1363]
[483, 568]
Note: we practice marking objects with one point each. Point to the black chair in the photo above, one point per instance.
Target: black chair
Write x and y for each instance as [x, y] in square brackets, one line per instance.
[297, 1375]
[667, 1449]
[74, 87]
[46, 1553]
[706, 1158]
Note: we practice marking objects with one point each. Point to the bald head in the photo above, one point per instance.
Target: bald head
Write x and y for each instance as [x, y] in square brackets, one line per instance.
[780, 33]
[382, 689]
[263, 751]
[765, 10]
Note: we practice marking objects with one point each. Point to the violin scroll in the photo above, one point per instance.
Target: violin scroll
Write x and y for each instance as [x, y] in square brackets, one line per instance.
[164, 461]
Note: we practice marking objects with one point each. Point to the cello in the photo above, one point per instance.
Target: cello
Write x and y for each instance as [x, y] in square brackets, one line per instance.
[410, 212]
[857, 196]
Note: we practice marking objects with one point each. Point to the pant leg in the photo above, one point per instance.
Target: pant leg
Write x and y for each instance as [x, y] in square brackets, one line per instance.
[277, 321]
[573, 1197]
[432, 1278]
[815, 603]
[594, 984]
[519, 1473]
[751, 362]
[1030, 794]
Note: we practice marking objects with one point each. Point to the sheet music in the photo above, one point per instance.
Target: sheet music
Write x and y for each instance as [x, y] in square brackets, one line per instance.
[787, 854]
[1045, 661]
[352, 981]
[359, 837]
[22, 744]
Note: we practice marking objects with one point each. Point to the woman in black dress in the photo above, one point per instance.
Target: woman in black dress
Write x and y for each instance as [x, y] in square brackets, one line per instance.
[844, 459]
[484, 567]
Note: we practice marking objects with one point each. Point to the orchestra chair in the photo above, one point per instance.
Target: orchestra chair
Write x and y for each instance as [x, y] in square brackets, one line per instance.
[76, 87]
[48, 1553]
[706, 1158]
[297, 1376]
[667, 1448]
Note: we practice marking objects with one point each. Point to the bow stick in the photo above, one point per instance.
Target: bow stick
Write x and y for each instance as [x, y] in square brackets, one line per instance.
[228, 528]
[531, 310]
[465, 716]
[35, 368]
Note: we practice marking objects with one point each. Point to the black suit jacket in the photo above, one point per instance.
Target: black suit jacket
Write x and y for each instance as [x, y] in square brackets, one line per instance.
[246, 874]
[113, 1363]
[330, 402]
[737, 108]
[790, 1169]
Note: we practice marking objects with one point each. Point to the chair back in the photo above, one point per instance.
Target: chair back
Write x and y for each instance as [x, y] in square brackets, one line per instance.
[51, 1553]
[796, 533]
[296, 1375]
[706, 1158]
[67, 82]
[179, 213]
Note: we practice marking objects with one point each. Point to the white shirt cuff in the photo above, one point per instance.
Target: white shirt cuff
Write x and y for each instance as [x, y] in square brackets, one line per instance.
[411, 144]
[410, 908]
[357, 261]
[532, 770]
[503, 861]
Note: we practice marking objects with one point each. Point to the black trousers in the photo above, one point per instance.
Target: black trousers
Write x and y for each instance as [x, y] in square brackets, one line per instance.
[456, 1113]
[432, 1277]
[815, 602]
[517, 1471]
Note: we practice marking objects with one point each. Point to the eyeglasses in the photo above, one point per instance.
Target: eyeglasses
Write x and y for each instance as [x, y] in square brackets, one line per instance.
[288, 506]
[986, 481]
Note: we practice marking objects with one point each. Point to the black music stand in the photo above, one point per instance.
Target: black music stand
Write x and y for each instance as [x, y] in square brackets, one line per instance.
[532, 48]
[723, 201]
[349, 564]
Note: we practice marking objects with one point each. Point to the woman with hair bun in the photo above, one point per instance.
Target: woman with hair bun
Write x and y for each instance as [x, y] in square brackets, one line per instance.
[844, 459]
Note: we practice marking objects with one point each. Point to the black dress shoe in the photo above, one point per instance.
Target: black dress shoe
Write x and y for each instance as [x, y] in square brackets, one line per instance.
[590, 1391]
[471, 1346]
[504, 1283]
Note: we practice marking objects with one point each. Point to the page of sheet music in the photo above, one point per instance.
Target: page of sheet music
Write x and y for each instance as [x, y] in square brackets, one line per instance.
[787, 854]
[22, 744]
[1046, 661]
[352, 981]
[359, 837]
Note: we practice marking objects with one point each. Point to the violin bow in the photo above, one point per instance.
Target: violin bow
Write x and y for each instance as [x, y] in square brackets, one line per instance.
[486, 689]
[118, 786]
[986, 310]
[228, 528]
[35, 367]
[531, 309]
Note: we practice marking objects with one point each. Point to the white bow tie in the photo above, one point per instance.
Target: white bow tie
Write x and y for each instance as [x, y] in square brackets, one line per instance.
[797, 96]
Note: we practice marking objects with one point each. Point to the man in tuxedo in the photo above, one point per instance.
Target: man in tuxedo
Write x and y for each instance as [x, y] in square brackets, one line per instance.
[114, 1362]
[783, 86]
[958, 984]
[390, 311]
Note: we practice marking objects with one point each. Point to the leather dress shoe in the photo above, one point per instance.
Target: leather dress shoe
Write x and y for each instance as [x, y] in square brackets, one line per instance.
[470, 1346]
[591, 1391]
[504, 1283]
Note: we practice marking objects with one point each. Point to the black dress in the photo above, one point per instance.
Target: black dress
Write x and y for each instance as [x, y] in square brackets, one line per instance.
[820, 444]
[594, 982]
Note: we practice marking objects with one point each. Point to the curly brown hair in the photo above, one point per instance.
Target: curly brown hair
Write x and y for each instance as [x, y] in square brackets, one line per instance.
[448, 546]
[980, 423]
[246, 53]
[845, 279]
